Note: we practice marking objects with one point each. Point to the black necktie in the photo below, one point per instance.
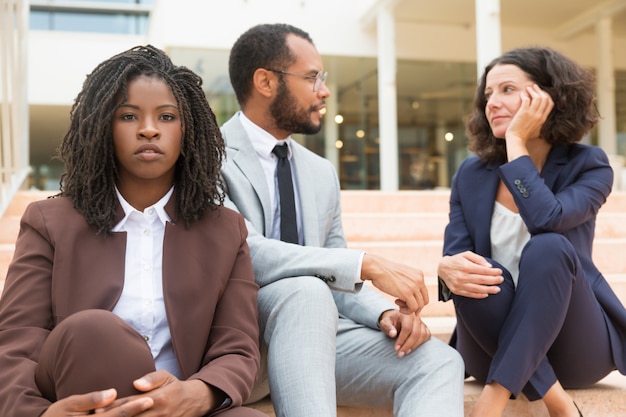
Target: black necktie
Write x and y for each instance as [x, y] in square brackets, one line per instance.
[288, 226]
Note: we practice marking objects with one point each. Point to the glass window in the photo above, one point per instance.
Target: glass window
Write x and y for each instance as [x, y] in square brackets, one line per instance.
[101, 23]
[432, 100]
[89, 16]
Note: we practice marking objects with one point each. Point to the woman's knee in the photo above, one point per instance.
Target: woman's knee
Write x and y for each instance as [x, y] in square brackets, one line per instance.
[549, 251]
[92, 350]
[548, 244]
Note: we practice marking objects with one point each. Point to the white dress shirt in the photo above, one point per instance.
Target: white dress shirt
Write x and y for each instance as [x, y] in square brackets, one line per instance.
[509, 235]
[263, 143]
[141, 304]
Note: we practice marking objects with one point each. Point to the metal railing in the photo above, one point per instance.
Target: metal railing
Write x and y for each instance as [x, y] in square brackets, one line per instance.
[14, 147]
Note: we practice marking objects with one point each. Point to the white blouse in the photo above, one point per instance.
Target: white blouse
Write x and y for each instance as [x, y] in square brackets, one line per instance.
[509, 235]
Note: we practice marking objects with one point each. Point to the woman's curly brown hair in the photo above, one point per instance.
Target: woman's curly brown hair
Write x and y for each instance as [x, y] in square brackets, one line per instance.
[570, 86]
[87, 148]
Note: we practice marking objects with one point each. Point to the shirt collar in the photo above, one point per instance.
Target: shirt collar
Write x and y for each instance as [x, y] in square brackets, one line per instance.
[158, 207]
[263, 141]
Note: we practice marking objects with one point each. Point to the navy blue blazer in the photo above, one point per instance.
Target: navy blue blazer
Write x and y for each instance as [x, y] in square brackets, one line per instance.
[564, 198]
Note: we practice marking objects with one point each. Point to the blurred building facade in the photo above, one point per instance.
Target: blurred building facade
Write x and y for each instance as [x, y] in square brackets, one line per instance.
[402, 73]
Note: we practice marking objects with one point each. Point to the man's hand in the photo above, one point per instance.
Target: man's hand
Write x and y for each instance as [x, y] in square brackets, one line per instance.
[84, 404]
[408, 329]
[470, 275]
[398, 280]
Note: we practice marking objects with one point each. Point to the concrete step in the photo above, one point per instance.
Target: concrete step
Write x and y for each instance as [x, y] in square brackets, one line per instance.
[604, 399]
[407, 226]
[388, 226]
[23, 198]
[427, 201]
[368, 201]
[9, 228]
[6, 254]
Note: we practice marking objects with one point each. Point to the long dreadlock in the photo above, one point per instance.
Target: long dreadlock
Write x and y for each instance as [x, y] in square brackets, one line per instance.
[87, 148]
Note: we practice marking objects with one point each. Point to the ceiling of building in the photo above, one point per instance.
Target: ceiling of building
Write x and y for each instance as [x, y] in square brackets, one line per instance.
[563, 16]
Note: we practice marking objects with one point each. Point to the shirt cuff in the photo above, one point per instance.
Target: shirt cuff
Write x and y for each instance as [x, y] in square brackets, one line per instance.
[357, 278]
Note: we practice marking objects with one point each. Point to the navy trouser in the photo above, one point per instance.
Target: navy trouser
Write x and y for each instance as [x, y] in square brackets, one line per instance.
[95, 350]
[550, 327]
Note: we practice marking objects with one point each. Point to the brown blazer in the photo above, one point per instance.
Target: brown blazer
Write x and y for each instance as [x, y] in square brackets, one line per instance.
[61, 266]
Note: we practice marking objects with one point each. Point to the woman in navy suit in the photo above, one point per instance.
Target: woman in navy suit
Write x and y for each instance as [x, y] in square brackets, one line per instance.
[534, 314]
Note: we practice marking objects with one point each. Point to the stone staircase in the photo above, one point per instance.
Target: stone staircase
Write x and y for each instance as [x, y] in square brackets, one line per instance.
[408, 227]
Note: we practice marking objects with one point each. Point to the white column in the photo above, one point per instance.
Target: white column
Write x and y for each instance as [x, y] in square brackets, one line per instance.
[607, 136]
[331, 130]
[488, 33]
[21, 117]
[387, 100]
[442, 160]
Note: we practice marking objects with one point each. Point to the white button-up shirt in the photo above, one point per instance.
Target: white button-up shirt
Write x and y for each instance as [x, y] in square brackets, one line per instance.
[141, 304]
[263, 143]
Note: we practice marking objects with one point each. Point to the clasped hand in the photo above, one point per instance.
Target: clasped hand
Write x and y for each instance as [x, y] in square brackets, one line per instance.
[469, 275]
[164, 394]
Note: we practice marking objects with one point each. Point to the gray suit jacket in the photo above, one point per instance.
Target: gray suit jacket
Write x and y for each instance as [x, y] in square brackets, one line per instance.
[324, 253]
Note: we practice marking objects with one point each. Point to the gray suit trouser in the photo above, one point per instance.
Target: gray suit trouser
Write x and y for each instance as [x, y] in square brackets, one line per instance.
[315, 360]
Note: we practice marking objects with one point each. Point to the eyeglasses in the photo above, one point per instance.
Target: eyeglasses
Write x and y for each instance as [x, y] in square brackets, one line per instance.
[319, 78]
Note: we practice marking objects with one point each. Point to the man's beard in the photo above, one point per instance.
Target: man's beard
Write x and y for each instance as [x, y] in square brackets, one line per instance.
[289, 116]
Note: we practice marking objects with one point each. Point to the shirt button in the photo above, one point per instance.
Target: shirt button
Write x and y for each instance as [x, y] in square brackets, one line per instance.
[146, 232]
[150, 211]
[146, 267]
[148, 302]
[146, 338]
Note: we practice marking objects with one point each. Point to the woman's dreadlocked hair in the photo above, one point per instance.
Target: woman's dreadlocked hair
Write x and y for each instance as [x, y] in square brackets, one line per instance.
[87, 148]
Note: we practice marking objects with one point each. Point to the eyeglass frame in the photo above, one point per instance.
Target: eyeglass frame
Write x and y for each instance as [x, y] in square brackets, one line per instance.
[320, 77]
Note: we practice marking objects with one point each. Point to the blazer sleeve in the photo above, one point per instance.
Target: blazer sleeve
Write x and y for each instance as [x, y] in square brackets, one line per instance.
[457, 236]
[573, 200]
[272, 259]
[25, 317]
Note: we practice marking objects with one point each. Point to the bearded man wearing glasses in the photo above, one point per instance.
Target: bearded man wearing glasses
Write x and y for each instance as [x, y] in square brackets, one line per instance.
[326, 338]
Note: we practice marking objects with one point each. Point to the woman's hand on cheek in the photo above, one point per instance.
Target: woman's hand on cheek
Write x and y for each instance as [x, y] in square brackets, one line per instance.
[536, 105]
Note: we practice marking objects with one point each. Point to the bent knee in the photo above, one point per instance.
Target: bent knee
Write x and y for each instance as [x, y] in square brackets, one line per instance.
[548, 244]
[302, 297]
[550, 254]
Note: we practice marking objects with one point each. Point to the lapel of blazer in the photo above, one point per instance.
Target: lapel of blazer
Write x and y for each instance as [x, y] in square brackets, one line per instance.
[245, 158]
[483, 191]
[557, 160]
[305, 177]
